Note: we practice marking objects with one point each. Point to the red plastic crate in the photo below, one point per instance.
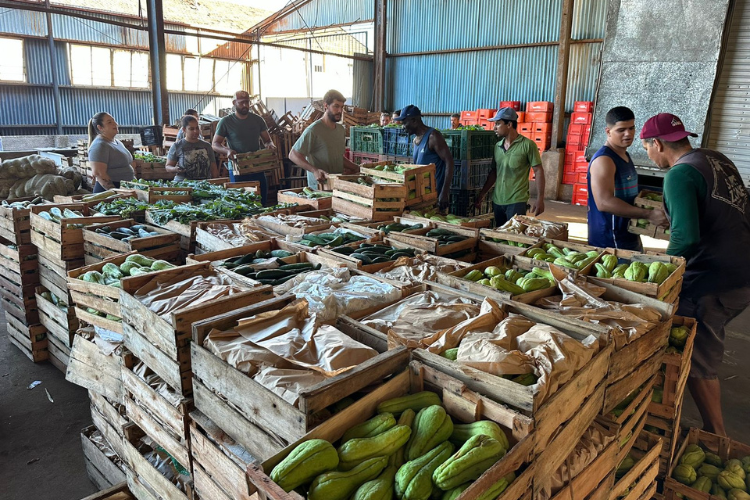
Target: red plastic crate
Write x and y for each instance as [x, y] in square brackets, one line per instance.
[469, 115]
[576, 129]
[581, 118]
[467, 123]
[488, 125]
[583, 107]
[569, 178]
[542, 140]
[525, 128]
[486, 114]
[510, 104]
[581, 167]
[527, 135]
[573, 139]
[539, 116]
[521, 116]
[570, 156]
[542, 128]
[580, 194]
[539, 107]
[581, 178]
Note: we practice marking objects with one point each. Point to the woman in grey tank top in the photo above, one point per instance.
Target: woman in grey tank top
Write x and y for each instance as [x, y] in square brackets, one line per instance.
[110, 160]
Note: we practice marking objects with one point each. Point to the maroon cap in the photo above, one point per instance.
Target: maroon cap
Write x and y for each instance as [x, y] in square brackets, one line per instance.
[665, 126]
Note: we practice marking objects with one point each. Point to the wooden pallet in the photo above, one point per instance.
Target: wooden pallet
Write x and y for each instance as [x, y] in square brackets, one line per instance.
[58, 240]
[89, 367]
[365, 201]
[165, 246]
[292, 196]
[102, 470]
[257, 418]
[420, 183]
[165, 346]
[219, 463]
[418, 239]
[722, 446]
[676, 368]
[461, 403]
[60, 324]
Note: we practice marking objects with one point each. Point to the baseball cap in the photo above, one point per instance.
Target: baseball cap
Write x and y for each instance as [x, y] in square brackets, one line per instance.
[409, 112]
[665, 126]
[508, 114]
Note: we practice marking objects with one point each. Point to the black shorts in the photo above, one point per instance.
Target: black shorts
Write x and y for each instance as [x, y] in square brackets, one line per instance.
[713, 312]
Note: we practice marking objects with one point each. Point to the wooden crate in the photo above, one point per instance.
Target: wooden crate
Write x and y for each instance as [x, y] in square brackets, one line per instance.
[163, 421]
[292, 196]
[668, 430]
[90, 368]
[418, 239]
[58, 240]
[53, 275]
[186, 231]
[492, 248]
[165, 346]
[102, 470]
[650, 230]
[468, 222]
[262, 160]
[59, 353]
[630, 423]
[148, 483]
[219, 463]
[461, 403]
[59, 323]
[456, 280]
[722, 446]
[165, 246]
[78, 198]
[676, 368]
[353, 262]
[31, 340]
[640, 480]
[109, 417]
[205, 241]
[15, 225]
[270, 223]
[649, 289]
[258, 419]
[420, 179]
[119, 491]
[578, 247]
[365, 202]
[15, 286]
[152, 194]
[18, 264]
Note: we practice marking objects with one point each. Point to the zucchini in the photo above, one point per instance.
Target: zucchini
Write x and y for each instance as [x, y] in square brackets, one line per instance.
[344, 250]
[272, 274]
[280, 254]
[364, 258]
[296, 267]
[244, 270]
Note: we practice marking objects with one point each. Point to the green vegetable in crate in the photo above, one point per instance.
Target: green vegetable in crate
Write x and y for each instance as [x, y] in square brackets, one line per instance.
[432, 426]
[657, 396]
[474, 275]
[619, 271]
[339, 485]
[139, 271]
[693, 456]
[161, 265]
[451, 354]
[111, 270]
[92, 277]
[476, 455]
[369, 428]
[627, 463]
[141, 260]
[657, 273]
[735, 466]
[685, 474]
[463, 432]
[527, 379]
[307, 460]
[709, 471]
[713, 459]
[601, 271]
[636, 271]
[729, 480]
[414, 478]
[533, 252]
[531, 284]
[380, 488]
[455, 492]
[737, 494]
[398, 458]
[745, 463]
[496, 489]
[703, 484]
[357, 450]
[513, 276]
[678, 336]
[718, 491]
[500, 283]
[609, 262]
[414, 402]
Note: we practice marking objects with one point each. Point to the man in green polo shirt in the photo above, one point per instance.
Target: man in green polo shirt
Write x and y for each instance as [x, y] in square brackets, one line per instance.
[515, 156]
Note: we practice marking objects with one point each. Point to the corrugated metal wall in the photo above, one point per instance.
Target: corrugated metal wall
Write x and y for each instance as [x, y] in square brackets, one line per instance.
[321, 13]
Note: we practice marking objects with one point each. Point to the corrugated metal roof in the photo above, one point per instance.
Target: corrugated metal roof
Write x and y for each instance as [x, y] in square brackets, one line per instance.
[320, 13]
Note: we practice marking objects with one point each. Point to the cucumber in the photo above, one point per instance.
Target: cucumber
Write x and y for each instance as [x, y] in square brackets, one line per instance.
[244, 270]
[364, 258]
[344, 250]
[296, 267]
[280, 254]
[272, 274]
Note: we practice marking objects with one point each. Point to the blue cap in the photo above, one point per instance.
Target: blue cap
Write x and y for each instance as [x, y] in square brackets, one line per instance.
[508, 114]
[409, 111]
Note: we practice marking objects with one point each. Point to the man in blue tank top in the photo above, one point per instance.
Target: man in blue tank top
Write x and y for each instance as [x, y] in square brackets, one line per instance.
[613, 187]
[429, 147]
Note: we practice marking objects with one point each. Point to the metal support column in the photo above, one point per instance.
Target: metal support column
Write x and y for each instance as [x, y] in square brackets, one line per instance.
[561, 84]
[379, 57]
[158, 58]
[55, 74]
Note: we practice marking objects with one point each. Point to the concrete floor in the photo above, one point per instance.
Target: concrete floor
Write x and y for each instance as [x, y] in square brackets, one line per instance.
[40, 446]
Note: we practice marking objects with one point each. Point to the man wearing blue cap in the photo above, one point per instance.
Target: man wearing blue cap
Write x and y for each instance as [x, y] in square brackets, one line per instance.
[515, 156]
[429, 147]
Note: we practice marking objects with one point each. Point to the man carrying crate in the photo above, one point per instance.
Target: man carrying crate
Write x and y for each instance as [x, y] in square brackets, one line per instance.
[321, 147]
[708, 208]
[243, 132]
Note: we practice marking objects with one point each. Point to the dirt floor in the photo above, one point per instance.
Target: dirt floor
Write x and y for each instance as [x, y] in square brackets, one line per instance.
[40, 445]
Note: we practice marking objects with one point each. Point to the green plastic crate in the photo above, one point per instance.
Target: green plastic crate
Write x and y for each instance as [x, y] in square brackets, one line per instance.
[366, 140]
[470, 144]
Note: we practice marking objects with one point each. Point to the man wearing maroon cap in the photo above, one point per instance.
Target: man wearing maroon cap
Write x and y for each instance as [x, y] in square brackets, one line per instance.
[708, 208]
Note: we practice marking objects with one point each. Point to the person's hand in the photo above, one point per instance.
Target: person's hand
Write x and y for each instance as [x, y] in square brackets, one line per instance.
[321, 175]
[658, 217]
[444, 201]
[232, 155]
[538, 207]
[270, 145]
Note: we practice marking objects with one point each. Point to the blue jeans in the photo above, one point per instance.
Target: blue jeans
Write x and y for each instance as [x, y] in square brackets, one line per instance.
[503, 213]
[98, 188]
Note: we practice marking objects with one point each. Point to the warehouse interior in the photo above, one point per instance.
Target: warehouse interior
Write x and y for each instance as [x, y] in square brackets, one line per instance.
[341, 300]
